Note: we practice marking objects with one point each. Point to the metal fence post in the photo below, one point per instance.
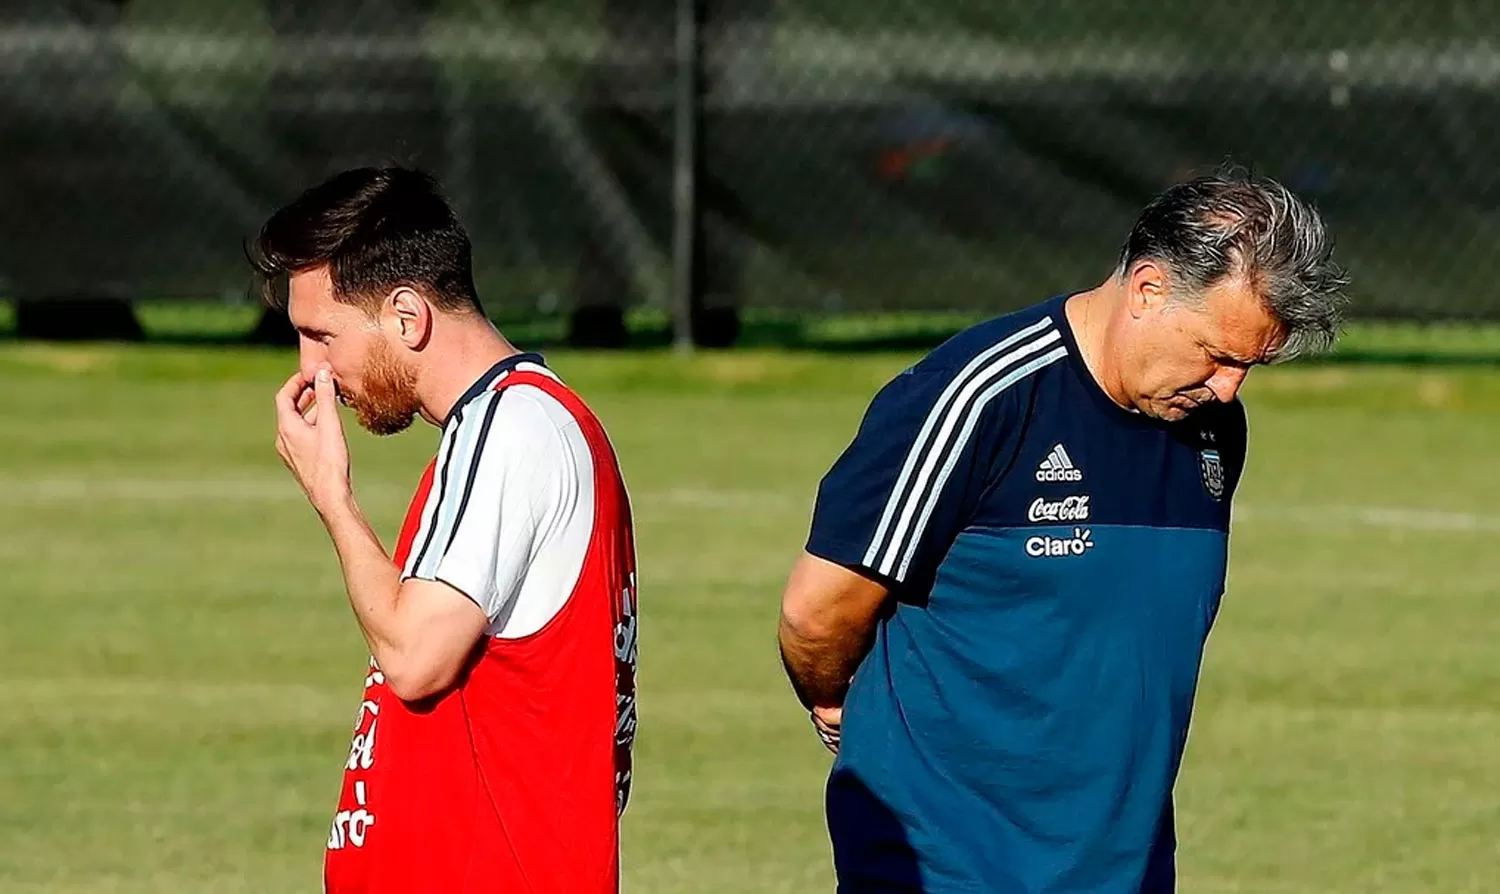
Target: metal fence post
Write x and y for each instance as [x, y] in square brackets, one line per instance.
[687, 108]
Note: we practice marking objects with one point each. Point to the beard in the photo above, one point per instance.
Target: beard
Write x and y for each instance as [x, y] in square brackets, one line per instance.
[387, 402]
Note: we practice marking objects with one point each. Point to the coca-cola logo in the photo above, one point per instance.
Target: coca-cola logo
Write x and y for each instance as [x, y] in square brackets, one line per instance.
[1068, 509]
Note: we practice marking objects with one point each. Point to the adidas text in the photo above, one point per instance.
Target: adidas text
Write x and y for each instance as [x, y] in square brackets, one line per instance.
[1058, 475]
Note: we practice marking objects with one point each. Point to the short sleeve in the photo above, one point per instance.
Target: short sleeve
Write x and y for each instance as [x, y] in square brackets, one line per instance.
[906, 485]
[497, 482]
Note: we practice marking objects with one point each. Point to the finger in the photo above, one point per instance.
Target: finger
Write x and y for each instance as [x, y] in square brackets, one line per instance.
[307, 406]
[827, 731]
[323, 388]
[292, 388]
[286, 398]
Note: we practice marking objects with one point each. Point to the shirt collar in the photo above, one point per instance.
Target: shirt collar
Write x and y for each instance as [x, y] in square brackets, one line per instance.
[484, 382]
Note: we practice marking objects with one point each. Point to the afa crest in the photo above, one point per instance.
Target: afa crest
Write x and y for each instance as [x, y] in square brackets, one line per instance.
[1213, 473]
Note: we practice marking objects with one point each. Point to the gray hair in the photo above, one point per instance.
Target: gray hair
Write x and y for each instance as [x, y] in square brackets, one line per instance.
[1232, 224]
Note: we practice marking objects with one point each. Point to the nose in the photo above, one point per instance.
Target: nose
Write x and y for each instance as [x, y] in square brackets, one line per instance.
[310, 355]
[1226, 383]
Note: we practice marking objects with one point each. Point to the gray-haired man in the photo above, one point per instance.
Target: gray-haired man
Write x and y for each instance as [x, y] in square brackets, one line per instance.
[1018, 559]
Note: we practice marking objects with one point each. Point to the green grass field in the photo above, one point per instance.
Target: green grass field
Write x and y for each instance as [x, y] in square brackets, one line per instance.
[182, 671]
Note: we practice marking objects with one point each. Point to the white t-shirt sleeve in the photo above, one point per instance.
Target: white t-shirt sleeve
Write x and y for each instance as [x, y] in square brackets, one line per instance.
[510, 513]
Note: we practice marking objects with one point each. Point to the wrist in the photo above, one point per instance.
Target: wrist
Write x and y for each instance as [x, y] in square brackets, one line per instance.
[338, 509]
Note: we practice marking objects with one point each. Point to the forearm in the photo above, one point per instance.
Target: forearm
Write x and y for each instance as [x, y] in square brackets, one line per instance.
[820, 660]
[370, 578]
[828, 618]
[419, 632]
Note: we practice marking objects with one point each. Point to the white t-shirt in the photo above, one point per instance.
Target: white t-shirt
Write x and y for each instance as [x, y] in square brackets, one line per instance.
[511, 510]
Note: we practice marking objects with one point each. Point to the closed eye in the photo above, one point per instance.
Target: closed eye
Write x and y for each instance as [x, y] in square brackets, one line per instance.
[1222, 358]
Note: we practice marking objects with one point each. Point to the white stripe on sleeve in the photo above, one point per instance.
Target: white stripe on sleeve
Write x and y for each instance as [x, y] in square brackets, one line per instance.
[920, 446]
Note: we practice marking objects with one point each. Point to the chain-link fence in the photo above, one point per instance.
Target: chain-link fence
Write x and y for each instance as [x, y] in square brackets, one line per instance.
[954, 154]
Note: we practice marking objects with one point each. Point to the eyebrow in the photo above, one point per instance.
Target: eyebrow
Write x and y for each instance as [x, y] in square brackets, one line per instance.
[1234, 357]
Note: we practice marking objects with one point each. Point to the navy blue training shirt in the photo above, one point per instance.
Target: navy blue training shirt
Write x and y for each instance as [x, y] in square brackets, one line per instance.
[1056, 563]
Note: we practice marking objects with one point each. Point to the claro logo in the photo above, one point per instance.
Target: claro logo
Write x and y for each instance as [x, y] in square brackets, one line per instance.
[1045, 547]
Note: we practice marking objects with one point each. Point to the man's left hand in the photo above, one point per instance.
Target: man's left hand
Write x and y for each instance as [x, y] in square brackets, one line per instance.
[310, 440]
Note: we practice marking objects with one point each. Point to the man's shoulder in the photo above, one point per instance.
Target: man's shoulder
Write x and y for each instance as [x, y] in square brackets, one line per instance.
[522, 433]
[539, 411]
[998, 355]
[997, 340]
[524, 409]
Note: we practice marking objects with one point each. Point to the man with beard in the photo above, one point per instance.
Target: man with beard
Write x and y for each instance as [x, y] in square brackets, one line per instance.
[492, 747]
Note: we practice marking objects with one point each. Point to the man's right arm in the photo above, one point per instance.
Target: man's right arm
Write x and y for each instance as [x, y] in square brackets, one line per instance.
[834, 595]
[828, 616]
[885, 513]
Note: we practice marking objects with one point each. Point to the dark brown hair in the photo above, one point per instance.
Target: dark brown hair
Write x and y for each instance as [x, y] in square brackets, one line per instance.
[376, 229]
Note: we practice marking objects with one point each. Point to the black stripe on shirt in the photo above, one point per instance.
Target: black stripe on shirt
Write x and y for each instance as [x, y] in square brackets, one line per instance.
[478, 452]
[458, 420]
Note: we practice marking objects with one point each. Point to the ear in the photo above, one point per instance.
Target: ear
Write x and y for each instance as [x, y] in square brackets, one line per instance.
[409, 314]
[1145, 288]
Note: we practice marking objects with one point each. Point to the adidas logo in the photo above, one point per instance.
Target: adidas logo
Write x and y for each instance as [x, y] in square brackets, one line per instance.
[1058, 466]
